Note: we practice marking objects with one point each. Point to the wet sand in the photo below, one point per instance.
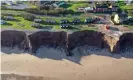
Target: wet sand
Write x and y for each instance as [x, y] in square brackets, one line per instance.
[51, 64]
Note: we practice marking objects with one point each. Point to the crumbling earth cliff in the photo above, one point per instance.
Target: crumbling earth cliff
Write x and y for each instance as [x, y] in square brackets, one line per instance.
[11, 38]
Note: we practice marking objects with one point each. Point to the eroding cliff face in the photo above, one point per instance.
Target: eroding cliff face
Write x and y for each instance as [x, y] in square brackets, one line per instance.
[90, 38]
[11, 38]
[125, 42]
[45, 38]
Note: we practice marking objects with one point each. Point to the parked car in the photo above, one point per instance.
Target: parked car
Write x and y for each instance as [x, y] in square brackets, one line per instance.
[48, 21]
[89, 20]
[76, 21]
[9, 18]
[128, 22]
[2, 22]
[65, 26]
[36, 25]
[38, 20]
[64, 21]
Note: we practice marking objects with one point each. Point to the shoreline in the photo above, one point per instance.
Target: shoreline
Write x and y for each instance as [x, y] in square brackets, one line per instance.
[24, 77]
[54, 65]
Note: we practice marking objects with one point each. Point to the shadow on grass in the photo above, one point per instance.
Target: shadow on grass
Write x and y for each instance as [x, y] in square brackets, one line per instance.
[45, 28]
[7, 24]
[72, 28]
[16, 20]
[66, 5]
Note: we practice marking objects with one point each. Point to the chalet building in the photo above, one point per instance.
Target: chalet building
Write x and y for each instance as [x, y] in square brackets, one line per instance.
[65, 26]
[38, 20]
[105, 9]
[76, 21]
[50, 3]
[42, 2]
[64, 21]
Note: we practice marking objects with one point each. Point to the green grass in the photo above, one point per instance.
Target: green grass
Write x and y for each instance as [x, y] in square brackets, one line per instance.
[27, 24]
[14, 24]
[75, 5]
[127, 7]
[130, 27]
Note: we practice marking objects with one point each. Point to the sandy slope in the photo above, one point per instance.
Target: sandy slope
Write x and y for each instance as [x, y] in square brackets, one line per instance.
[56, 66]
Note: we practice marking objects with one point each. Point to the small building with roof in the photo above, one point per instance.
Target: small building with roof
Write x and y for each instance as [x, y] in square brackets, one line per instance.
[49, 21]
[76, 21]
[65, 26]
[104, 8]
[38, 20]
[2, 22]
[36, 25]
[9, 18]
[88, 20]
[64, 21]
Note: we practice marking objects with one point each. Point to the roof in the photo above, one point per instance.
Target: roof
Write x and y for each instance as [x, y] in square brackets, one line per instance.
[101, 6]
[65, 25]
[9, 17]
[48, 20]
[122, 15]
[38, 19]
[2, 21]
[88, 8]
[64, 20]
[105, 6]
[35, 24]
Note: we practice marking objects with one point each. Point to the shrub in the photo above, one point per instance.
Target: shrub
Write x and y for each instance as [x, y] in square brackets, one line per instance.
[50, 11]
[32, 10]
[29, 17]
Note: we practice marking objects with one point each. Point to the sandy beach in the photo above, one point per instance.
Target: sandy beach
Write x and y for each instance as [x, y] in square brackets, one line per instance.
[50, 64]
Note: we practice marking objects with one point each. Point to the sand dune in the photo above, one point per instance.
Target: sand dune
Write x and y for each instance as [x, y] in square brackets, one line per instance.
[53, 64]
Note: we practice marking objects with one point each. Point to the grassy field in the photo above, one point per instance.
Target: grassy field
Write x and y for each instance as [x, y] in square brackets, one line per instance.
[129, 9]
[17, 24]
[21, 23]
[75, 5]
[130, 6]
[130, 27]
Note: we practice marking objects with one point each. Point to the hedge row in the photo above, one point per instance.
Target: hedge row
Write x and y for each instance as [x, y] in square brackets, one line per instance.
[49, 12]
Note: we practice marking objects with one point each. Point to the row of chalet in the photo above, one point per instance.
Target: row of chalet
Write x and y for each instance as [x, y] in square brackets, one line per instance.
[50, 3]
[105, 9]
[66, 21]
[100, 8]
